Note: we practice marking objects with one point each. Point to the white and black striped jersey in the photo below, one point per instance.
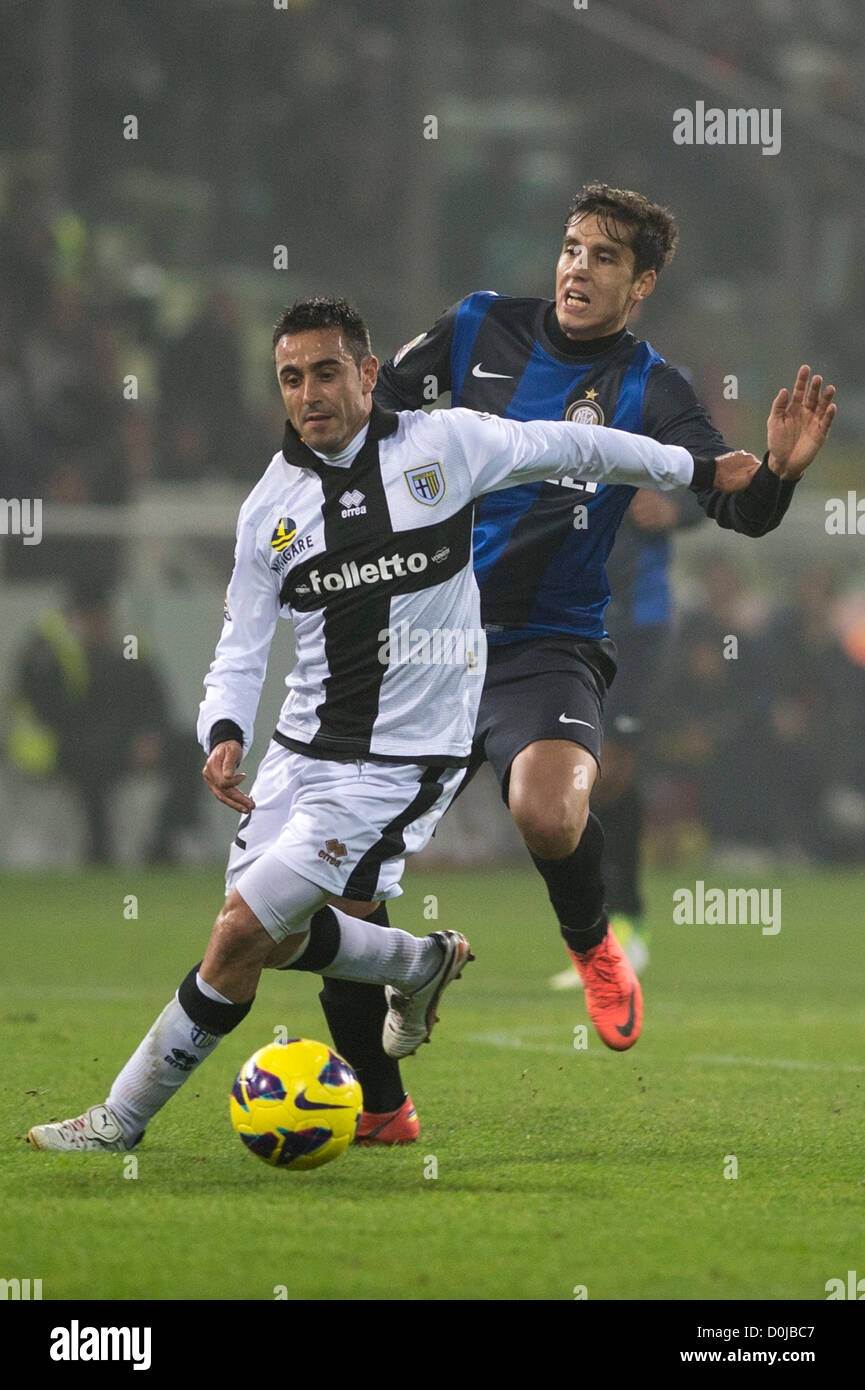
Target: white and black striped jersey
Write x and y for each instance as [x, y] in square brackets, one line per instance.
[372, 560]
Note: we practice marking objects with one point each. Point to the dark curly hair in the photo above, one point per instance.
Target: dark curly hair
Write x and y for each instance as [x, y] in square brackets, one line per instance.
[651, 229]
[321, 312]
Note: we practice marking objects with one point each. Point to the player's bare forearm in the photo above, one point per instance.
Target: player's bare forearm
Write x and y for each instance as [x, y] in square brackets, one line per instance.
[731, 473]
[798, 425]
[221, 775]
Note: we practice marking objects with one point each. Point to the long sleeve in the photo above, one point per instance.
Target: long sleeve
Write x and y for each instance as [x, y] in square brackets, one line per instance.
[673, 415]
[421, 371]
[503, 453]
[233, 683]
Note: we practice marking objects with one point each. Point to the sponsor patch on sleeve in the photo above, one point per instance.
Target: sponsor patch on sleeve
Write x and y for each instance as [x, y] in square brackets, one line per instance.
[407, 347]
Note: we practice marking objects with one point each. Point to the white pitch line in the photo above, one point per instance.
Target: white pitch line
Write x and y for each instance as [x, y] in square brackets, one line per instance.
[518, 1043]
[782, 1063]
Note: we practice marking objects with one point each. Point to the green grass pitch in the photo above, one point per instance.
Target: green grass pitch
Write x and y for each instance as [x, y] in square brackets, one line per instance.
[557, 1167]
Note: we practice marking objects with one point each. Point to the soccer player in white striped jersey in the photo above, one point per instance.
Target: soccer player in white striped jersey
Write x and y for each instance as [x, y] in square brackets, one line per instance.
[360, 532]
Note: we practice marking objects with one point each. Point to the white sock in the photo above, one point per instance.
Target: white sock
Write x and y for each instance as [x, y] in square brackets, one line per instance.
[381, 955]
[209, 992]
[158, 1067]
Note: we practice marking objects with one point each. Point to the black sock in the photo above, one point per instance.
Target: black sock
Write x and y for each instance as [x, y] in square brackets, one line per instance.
[623, 823]
[355, 1014]
[576, 889]
[209, 1014]
[323, 944]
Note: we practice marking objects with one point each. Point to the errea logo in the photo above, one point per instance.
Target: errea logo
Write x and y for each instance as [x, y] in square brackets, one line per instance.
[333, 853]
[351, 503]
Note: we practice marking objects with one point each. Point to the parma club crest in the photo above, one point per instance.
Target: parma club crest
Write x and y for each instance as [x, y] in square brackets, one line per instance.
[585, 411]
[426, 483]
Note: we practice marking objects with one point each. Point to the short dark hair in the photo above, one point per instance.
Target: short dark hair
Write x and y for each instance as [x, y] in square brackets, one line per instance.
[321, 312]
[652, 228]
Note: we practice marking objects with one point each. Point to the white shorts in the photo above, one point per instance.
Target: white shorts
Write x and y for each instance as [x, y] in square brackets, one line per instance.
[345, 827]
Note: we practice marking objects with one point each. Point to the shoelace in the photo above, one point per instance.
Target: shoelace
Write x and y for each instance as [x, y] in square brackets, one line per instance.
[606, 981]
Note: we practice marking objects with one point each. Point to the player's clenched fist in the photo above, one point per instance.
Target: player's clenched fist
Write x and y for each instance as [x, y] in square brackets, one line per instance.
[798, 425]
[733, 472]
[221, 775]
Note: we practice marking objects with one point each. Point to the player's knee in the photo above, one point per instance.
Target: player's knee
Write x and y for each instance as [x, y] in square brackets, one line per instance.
[237, 934]
[552, 829]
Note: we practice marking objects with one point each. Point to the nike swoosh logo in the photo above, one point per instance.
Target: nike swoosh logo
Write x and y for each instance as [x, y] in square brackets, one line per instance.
[302, 1103]
[563, 719]
[477, 370]
[627, 1029]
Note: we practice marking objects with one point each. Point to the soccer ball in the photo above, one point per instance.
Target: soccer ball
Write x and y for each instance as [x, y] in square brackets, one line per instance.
[296, 1104]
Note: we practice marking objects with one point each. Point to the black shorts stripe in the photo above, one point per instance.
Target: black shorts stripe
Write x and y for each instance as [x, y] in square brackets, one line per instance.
[241, 844]
[363, 880]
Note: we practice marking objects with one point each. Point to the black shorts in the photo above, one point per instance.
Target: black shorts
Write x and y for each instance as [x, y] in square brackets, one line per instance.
[544, 688]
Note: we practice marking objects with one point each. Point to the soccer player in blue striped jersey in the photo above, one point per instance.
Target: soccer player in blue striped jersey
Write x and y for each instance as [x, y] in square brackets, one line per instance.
[540, 560]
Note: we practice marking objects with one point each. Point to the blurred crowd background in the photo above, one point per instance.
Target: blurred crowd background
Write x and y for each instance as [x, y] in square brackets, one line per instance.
[138, 290]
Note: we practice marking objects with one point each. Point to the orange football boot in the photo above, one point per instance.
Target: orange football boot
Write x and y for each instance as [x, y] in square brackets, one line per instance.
[613, 995]
[394, 1127]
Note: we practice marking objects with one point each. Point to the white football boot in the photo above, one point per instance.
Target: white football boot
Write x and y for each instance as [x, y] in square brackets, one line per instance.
[410, 1017]
[96, 1130]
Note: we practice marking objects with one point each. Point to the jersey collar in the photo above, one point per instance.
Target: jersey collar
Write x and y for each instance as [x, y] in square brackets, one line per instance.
[571, 349]
[299, 455]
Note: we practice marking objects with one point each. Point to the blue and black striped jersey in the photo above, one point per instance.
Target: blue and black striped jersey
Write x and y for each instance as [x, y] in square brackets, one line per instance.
[540, 550]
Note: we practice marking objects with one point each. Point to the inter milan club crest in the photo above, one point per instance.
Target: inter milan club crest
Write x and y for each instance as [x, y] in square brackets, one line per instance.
[426, 483]
[585, 412]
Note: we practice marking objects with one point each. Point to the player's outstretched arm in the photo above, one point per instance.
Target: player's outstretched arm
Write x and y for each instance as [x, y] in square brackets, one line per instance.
[500, 453]
[798, 425]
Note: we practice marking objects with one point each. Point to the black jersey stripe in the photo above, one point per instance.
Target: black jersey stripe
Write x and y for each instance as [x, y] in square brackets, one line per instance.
[363, 880]
[352, 687]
